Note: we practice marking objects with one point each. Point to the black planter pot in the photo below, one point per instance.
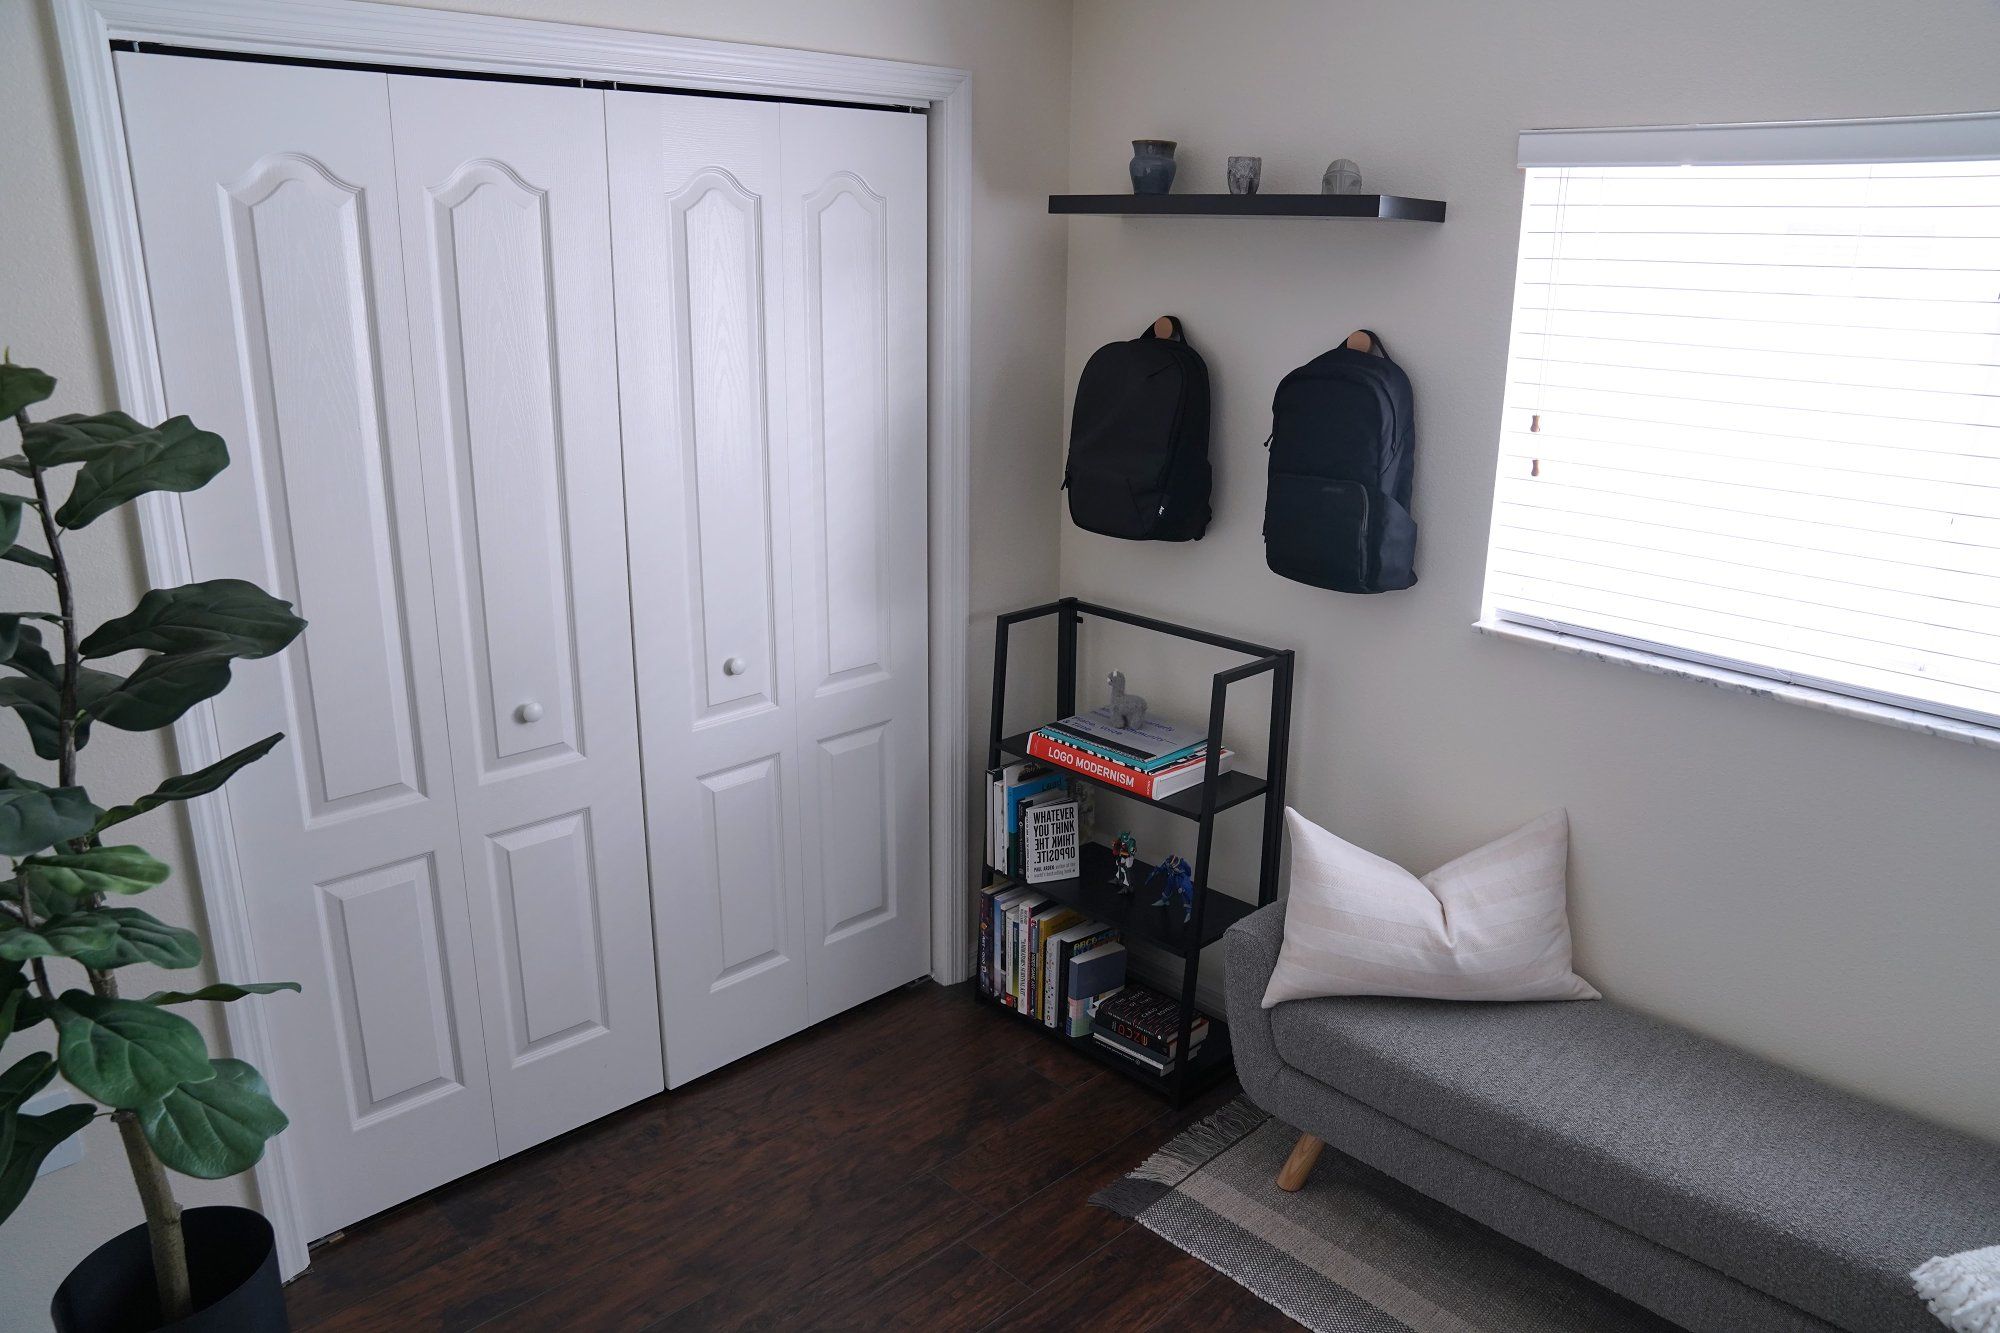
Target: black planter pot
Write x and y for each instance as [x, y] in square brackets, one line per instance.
[232, 1271]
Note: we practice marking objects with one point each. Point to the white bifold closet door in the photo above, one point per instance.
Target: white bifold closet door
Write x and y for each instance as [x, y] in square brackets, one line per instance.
[771, 275]
[405, 338]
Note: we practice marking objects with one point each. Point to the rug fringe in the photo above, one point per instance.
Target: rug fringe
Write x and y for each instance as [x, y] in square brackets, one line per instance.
[1194, 1147]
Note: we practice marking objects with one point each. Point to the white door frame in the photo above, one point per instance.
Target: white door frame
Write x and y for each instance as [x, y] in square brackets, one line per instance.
[390, 34]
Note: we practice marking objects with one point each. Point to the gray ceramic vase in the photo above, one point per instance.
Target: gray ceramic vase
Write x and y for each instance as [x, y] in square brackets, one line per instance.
[1152, 166]
[1244, 174]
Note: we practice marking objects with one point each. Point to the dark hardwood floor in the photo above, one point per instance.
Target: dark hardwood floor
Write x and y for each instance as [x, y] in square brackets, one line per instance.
[920, 1162]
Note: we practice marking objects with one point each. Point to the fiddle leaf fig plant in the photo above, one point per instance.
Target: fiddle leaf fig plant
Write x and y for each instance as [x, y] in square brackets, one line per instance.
[67, 923]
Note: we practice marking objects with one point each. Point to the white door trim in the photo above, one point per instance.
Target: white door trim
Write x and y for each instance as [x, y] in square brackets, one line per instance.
[393, 34]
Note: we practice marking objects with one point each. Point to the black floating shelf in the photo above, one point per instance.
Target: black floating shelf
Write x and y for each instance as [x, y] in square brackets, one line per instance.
[1212, 1061]
[1233, 789]
[1251, 206]
[1093, 894]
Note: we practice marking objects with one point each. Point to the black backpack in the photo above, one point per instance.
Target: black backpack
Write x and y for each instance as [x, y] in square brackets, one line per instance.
[1138, 439]
[1343, 456]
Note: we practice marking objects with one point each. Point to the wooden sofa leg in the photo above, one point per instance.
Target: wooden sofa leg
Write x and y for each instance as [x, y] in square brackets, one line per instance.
[1305, 1155]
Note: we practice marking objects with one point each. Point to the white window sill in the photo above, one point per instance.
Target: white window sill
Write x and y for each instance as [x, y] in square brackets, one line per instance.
[1825, 701]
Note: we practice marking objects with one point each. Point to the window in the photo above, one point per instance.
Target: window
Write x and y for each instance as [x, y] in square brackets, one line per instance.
[1753, 403]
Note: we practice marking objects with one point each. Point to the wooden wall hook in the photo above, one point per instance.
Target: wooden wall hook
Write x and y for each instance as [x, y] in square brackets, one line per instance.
[1360, 341]
[1163, 327]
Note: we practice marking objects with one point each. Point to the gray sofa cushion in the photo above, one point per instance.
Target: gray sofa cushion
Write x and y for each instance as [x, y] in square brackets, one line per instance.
[1817, 1197]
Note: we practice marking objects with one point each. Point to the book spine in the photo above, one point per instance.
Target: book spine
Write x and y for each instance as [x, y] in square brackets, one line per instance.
[1053, 965]
[1081, 761]
[1150, 1061]
[985, 957]
[1030, 991]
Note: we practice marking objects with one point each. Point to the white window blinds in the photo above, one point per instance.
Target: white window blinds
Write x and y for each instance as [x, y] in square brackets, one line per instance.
[1753, 410]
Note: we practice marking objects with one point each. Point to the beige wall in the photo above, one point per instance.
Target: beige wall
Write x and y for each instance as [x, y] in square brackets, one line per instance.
[1018, 52]
[1817, 889]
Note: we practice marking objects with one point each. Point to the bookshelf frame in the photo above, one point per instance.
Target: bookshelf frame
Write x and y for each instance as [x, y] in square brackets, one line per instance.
[1201, 804]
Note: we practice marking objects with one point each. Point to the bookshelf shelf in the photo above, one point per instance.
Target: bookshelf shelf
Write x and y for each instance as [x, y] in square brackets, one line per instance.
[1251, 206]
[1092, 892]
[1212, 1063]
[1234, 788]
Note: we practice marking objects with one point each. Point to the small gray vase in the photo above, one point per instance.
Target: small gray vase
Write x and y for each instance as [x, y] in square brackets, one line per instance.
[1153, 166]
[1244, 174]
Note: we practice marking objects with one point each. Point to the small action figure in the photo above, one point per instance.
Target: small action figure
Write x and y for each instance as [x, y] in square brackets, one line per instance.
[1179, 885]
[1124, 851]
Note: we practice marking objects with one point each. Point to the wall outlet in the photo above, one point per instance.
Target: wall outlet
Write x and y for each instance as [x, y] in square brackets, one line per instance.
[70, 1151]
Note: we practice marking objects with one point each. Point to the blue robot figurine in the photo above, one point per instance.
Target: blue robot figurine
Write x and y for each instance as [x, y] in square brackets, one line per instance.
[1179, 885]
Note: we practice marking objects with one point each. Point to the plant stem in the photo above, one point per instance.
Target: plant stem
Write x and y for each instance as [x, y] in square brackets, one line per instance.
[66, 608]
[156, 1192]
[163, 1219]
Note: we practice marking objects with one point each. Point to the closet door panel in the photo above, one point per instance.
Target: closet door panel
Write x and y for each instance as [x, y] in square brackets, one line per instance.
[697, 234]
[855, 217]
[267, 203]
[506, 232]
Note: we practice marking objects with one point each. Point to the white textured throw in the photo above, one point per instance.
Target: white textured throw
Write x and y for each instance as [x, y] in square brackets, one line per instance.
[1962, 1290]
[1492, 925]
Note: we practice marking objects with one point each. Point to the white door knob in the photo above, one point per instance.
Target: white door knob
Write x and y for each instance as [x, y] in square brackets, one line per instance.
[528, 712]
[735, 666]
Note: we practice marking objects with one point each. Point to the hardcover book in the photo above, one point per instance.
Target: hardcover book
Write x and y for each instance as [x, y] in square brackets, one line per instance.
[1079, 938]
[1145, 1017]
[1178, 777]
[1153, 740]
[1097, 971]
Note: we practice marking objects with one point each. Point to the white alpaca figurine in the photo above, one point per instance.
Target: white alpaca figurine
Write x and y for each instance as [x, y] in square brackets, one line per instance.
[1127, 710]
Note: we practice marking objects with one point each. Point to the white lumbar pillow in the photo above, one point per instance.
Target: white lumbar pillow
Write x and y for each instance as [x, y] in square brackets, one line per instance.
[1492, 925]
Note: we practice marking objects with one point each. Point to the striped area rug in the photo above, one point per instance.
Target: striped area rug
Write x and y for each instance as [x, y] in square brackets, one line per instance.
[1354, 1251]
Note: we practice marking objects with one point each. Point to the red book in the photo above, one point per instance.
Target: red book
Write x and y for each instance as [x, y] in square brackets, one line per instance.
[1150, 785]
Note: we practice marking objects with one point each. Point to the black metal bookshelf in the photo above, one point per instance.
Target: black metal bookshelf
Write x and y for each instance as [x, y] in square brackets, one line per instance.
[1092, 892]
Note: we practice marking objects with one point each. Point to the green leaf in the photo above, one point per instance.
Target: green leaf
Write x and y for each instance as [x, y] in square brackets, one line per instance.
[30, 658]
[16, 464]
[189, 785]
[177, 457]
[217, 1127]
[143, 938]
[96, 870]
[10, 629]
[69, 936]
[21, 555]
[34, 817]
[125, 1053]
[220, 615]
[77, 438]
[35, 1136]
[39, 705]
[36, 693]
[221, 992]
[22, 386]
[165, 686]
[10, 518]
[19, 1009]
[24, 1079]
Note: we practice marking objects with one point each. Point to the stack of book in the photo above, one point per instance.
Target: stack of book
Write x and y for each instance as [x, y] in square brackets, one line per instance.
[1028, 947]
[1144, 1026]
[1152, 759]
[1014, 793]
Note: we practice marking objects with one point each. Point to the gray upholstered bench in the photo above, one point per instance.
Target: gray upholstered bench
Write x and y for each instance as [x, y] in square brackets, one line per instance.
[1708, 1185]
